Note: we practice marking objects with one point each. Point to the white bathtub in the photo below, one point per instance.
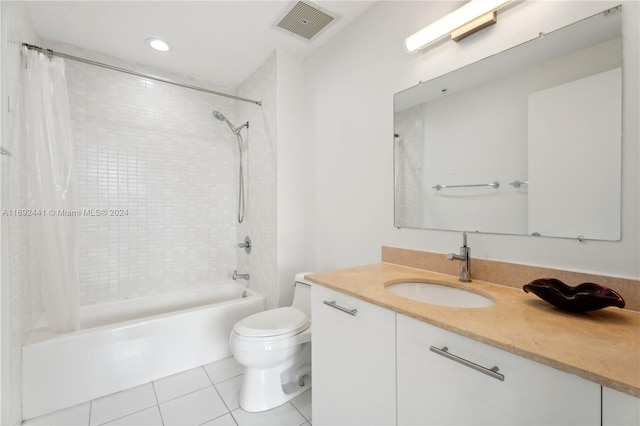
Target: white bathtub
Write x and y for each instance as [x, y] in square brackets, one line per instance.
[125, 344]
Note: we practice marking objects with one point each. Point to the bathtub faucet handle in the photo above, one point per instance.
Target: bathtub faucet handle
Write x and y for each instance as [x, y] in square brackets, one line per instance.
[246, 245]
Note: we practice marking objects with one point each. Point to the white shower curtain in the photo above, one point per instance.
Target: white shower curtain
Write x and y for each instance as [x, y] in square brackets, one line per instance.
[52, 189]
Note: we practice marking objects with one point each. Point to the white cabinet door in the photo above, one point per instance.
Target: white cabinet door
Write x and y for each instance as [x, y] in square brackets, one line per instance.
[619, 409]
[353, 361]
[435, 390]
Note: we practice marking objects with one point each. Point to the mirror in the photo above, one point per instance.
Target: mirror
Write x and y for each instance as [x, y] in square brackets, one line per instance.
[524, 142]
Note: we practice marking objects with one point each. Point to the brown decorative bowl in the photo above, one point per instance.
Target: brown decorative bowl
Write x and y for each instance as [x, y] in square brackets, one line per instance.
[582, 298]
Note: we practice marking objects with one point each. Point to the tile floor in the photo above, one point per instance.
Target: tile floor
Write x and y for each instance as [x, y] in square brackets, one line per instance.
[206, 395]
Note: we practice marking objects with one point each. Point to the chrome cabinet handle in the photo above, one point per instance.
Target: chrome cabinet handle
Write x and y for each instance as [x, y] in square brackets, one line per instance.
[333, 304]
[493, 371]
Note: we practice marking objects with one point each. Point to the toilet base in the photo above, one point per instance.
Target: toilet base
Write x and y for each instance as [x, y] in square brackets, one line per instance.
[261, 398]
[263, 388]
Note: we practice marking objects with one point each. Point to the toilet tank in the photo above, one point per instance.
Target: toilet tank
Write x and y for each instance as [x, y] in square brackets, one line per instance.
[302, 294]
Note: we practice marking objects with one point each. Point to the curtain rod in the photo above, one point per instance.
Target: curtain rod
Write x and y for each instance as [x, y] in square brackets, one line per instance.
[50, 53]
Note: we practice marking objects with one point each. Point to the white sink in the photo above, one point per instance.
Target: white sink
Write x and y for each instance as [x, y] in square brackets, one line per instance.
[438, 294]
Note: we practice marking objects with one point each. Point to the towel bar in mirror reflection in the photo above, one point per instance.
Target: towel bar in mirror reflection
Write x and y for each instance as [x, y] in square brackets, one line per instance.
[494, 184]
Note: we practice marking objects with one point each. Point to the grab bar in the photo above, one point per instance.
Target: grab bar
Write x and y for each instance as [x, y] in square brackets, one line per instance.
[518, 183]
[333, 304]
[495, 184]
[493, 371]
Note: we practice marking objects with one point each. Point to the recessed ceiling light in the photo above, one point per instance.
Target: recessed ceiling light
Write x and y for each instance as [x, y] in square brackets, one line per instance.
[157, 44]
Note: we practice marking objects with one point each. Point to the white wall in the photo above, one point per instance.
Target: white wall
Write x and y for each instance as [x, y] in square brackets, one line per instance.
[292, 172]
[350, 85]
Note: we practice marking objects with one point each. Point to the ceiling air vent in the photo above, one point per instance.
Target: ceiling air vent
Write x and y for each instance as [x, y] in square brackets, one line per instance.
[305, 20]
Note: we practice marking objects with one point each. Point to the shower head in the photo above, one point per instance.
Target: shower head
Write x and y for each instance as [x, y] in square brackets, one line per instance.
[219, 116]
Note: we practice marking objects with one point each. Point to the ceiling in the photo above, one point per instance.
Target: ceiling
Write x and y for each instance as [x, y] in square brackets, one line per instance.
[221, 42]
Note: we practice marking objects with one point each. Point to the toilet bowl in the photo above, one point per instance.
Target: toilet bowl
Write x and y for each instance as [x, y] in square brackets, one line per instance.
[274, 347]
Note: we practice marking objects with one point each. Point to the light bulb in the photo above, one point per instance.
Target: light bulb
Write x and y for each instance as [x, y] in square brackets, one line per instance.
[157, 44]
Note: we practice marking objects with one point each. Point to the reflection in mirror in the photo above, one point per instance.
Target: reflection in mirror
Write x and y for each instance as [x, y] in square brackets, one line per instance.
[527, 141]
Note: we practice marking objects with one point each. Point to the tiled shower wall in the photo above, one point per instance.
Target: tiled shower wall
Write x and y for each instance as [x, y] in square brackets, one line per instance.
[165, 171]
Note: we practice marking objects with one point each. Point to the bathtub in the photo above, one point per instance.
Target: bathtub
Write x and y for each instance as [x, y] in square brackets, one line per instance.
[125, 344]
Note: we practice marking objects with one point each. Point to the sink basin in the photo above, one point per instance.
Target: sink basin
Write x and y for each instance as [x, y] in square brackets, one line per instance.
[438, 294]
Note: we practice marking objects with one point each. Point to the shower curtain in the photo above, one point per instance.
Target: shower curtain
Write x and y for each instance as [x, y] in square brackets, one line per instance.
[52, 193]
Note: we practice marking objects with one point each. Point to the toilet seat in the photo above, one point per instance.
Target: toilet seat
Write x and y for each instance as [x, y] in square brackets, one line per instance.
[280, 322]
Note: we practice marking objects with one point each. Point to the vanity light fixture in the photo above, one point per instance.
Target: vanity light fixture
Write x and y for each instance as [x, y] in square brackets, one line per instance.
[462, 22]
[157, 44]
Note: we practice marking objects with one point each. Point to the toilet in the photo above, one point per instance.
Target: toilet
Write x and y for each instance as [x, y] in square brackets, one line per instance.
[274, 347]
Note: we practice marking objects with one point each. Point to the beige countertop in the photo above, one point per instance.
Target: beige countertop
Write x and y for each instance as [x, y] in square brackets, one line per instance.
[601, 346]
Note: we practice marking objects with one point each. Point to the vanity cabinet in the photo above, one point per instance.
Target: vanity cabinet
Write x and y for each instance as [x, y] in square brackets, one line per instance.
[619, 409]
[374, 366]
[354, 359]
[433, 389]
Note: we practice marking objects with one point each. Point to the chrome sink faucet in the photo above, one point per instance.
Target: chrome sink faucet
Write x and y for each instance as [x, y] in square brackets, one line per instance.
[465, 260]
